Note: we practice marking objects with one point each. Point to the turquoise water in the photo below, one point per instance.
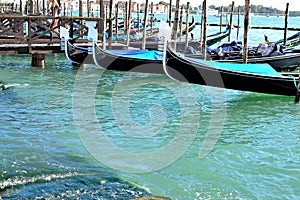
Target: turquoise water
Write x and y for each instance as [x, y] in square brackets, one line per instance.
[85, 133]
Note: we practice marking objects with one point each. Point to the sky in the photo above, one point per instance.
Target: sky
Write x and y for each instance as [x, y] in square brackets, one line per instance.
[279, 4]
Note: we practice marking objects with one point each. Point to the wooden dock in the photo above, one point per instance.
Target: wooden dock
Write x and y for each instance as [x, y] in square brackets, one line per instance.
[32, 34]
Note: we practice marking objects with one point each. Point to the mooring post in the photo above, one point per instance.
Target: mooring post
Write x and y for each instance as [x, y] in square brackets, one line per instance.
[221, 18]
[21, 7]
[117, 20]
[201, 27]
[175, 26]
[151, 19]
[246, 29]
[187, 27]
[37, 7]
[110, 23]
[44, 7]
[125, 10]
[138, 17]
[230, 25]
[286, 23]
[170, 13]
[204, 30]
[180, 23]
[38, 60]
[104, 29]
[65, 11]
[238, 28]
[145, 25]
[31, 6]
[80, 9]
[88, 6]
[101, 25]
[71, 31]
[128, 19]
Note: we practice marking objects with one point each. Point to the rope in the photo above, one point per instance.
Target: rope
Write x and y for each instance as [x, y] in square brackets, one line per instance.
[295, 82]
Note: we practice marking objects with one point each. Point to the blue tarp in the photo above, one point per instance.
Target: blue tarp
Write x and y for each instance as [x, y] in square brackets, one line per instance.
[263, 68]
[141, 54]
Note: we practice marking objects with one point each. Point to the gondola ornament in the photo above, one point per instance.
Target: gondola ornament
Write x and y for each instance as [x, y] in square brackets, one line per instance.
[165, 32]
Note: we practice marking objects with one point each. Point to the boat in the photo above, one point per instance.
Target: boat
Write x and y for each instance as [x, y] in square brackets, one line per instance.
[279, 59]
[192, 26]
[210, 40]
[144, 61]
[217, 37]
[78, 54]
[291, 42]
[244, 77]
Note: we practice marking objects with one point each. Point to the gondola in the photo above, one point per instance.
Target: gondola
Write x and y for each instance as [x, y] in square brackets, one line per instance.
[225, 75]
[128, 60]
[217, 37]
[210, 40]
[78, 54]
[279, 59]
[291, 42]
[192, 26]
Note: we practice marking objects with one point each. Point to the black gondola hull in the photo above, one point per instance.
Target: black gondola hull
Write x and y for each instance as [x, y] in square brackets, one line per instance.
[122, 63]
[78, 54]
[185, 70]
[282, 62]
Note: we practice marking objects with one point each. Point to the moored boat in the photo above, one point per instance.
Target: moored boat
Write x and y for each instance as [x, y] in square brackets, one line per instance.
[244, 77]
[280, 60]
[128, 60]
[78, 54]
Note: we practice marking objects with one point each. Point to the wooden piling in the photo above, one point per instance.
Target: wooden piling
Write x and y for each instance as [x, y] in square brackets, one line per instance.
[88, 7]
[246, 29]
[221, 18]
[138, 17]
[117, 19]
[38, 60]
[104, 29]
[128, 23]
[238, 28]
[175, 26]
[187, 27]
[201, 27]
[110, 23]
[170, 13]
[151, 19]
[65, 11]
[31, 6]
[286, 23]
[231, 15]
[37, 7]
[101, 25]
[80, 9]
[125, 17]
[204, 30]
[145, 25]
[21, 8]
[180, 23]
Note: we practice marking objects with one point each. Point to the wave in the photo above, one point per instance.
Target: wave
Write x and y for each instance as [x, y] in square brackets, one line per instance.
[22, 180]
